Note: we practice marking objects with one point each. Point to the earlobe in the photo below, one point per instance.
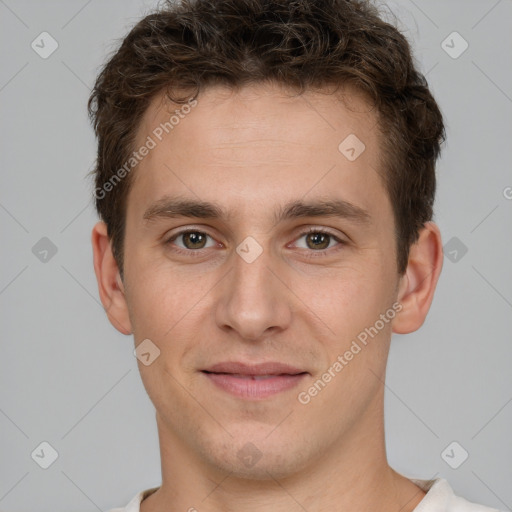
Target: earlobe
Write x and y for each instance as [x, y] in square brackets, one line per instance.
[110, 285]
[418, 284]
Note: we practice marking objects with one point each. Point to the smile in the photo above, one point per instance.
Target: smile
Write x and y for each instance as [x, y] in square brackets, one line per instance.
[254, 381]
[255, 387]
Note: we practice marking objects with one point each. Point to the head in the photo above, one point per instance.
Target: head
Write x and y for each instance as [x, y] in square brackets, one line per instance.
[259, 121]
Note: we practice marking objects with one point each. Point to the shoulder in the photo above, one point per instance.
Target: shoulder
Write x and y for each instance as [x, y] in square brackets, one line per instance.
[134, 504]
[441, 498]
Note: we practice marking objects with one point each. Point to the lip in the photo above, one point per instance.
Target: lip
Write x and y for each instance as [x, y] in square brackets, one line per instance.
[268, 368]
[254, 381]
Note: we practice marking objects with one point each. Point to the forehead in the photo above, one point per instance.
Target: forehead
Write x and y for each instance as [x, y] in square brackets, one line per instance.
[258, 145]
[225, 114]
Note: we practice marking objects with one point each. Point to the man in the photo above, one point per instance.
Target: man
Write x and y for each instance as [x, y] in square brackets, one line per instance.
[265, 181]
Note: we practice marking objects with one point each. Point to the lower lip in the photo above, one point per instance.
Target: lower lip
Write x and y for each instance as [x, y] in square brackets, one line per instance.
[254, 388]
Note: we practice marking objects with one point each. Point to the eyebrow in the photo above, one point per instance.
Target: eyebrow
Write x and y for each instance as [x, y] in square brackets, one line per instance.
[172, 207]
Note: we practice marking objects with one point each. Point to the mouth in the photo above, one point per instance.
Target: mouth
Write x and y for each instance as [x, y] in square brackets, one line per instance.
[254, 382]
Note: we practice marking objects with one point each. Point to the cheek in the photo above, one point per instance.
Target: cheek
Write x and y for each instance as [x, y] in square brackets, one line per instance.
[165, 301]
[348, 299]
[153, 298]
[357, 341]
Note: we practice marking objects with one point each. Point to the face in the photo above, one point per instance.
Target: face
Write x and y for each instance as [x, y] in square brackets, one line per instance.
[256, 295]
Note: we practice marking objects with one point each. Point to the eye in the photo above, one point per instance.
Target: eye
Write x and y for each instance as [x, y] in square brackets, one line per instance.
[191, 240]
[318, 240]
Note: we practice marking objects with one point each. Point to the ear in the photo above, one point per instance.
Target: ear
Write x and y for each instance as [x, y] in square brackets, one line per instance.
[110, 286]
[418, 283]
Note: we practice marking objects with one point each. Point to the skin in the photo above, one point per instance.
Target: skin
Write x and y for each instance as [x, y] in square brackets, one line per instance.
[251, 152]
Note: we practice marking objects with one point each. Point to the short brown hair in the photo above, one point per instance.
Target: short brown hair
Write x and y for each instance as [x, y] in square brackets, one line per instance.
[301, 44]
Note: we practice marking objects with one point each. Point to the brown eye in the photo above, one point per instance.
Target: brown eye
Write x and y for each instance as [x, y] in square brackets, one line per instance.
[318, 240]
[194, 240]
[191, 240]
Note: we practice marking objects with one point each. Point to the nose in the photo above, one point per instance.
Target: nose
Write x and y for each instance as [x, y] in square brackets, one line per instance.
[253, 301]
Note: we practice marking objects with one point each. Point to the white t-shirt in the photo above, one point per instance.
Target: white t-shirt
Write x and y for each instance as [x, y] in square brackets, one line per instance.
[439, 498]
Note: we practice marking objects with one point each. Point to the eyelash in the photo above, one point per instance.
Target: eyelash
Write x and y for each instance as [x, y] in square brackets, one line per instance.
[312, 253]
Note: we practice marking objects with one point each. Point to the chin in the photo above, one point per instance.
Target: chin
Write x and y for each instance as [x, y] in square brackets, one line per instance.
[262, 460]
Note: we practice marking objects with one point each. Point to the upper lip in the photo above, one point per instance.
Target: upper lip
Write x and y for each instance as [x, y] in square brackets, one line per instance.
[269, 368]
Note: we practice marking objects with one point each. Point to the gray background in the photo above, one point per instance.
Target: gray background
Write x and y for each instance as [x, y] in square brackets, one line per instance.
[69, 378]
